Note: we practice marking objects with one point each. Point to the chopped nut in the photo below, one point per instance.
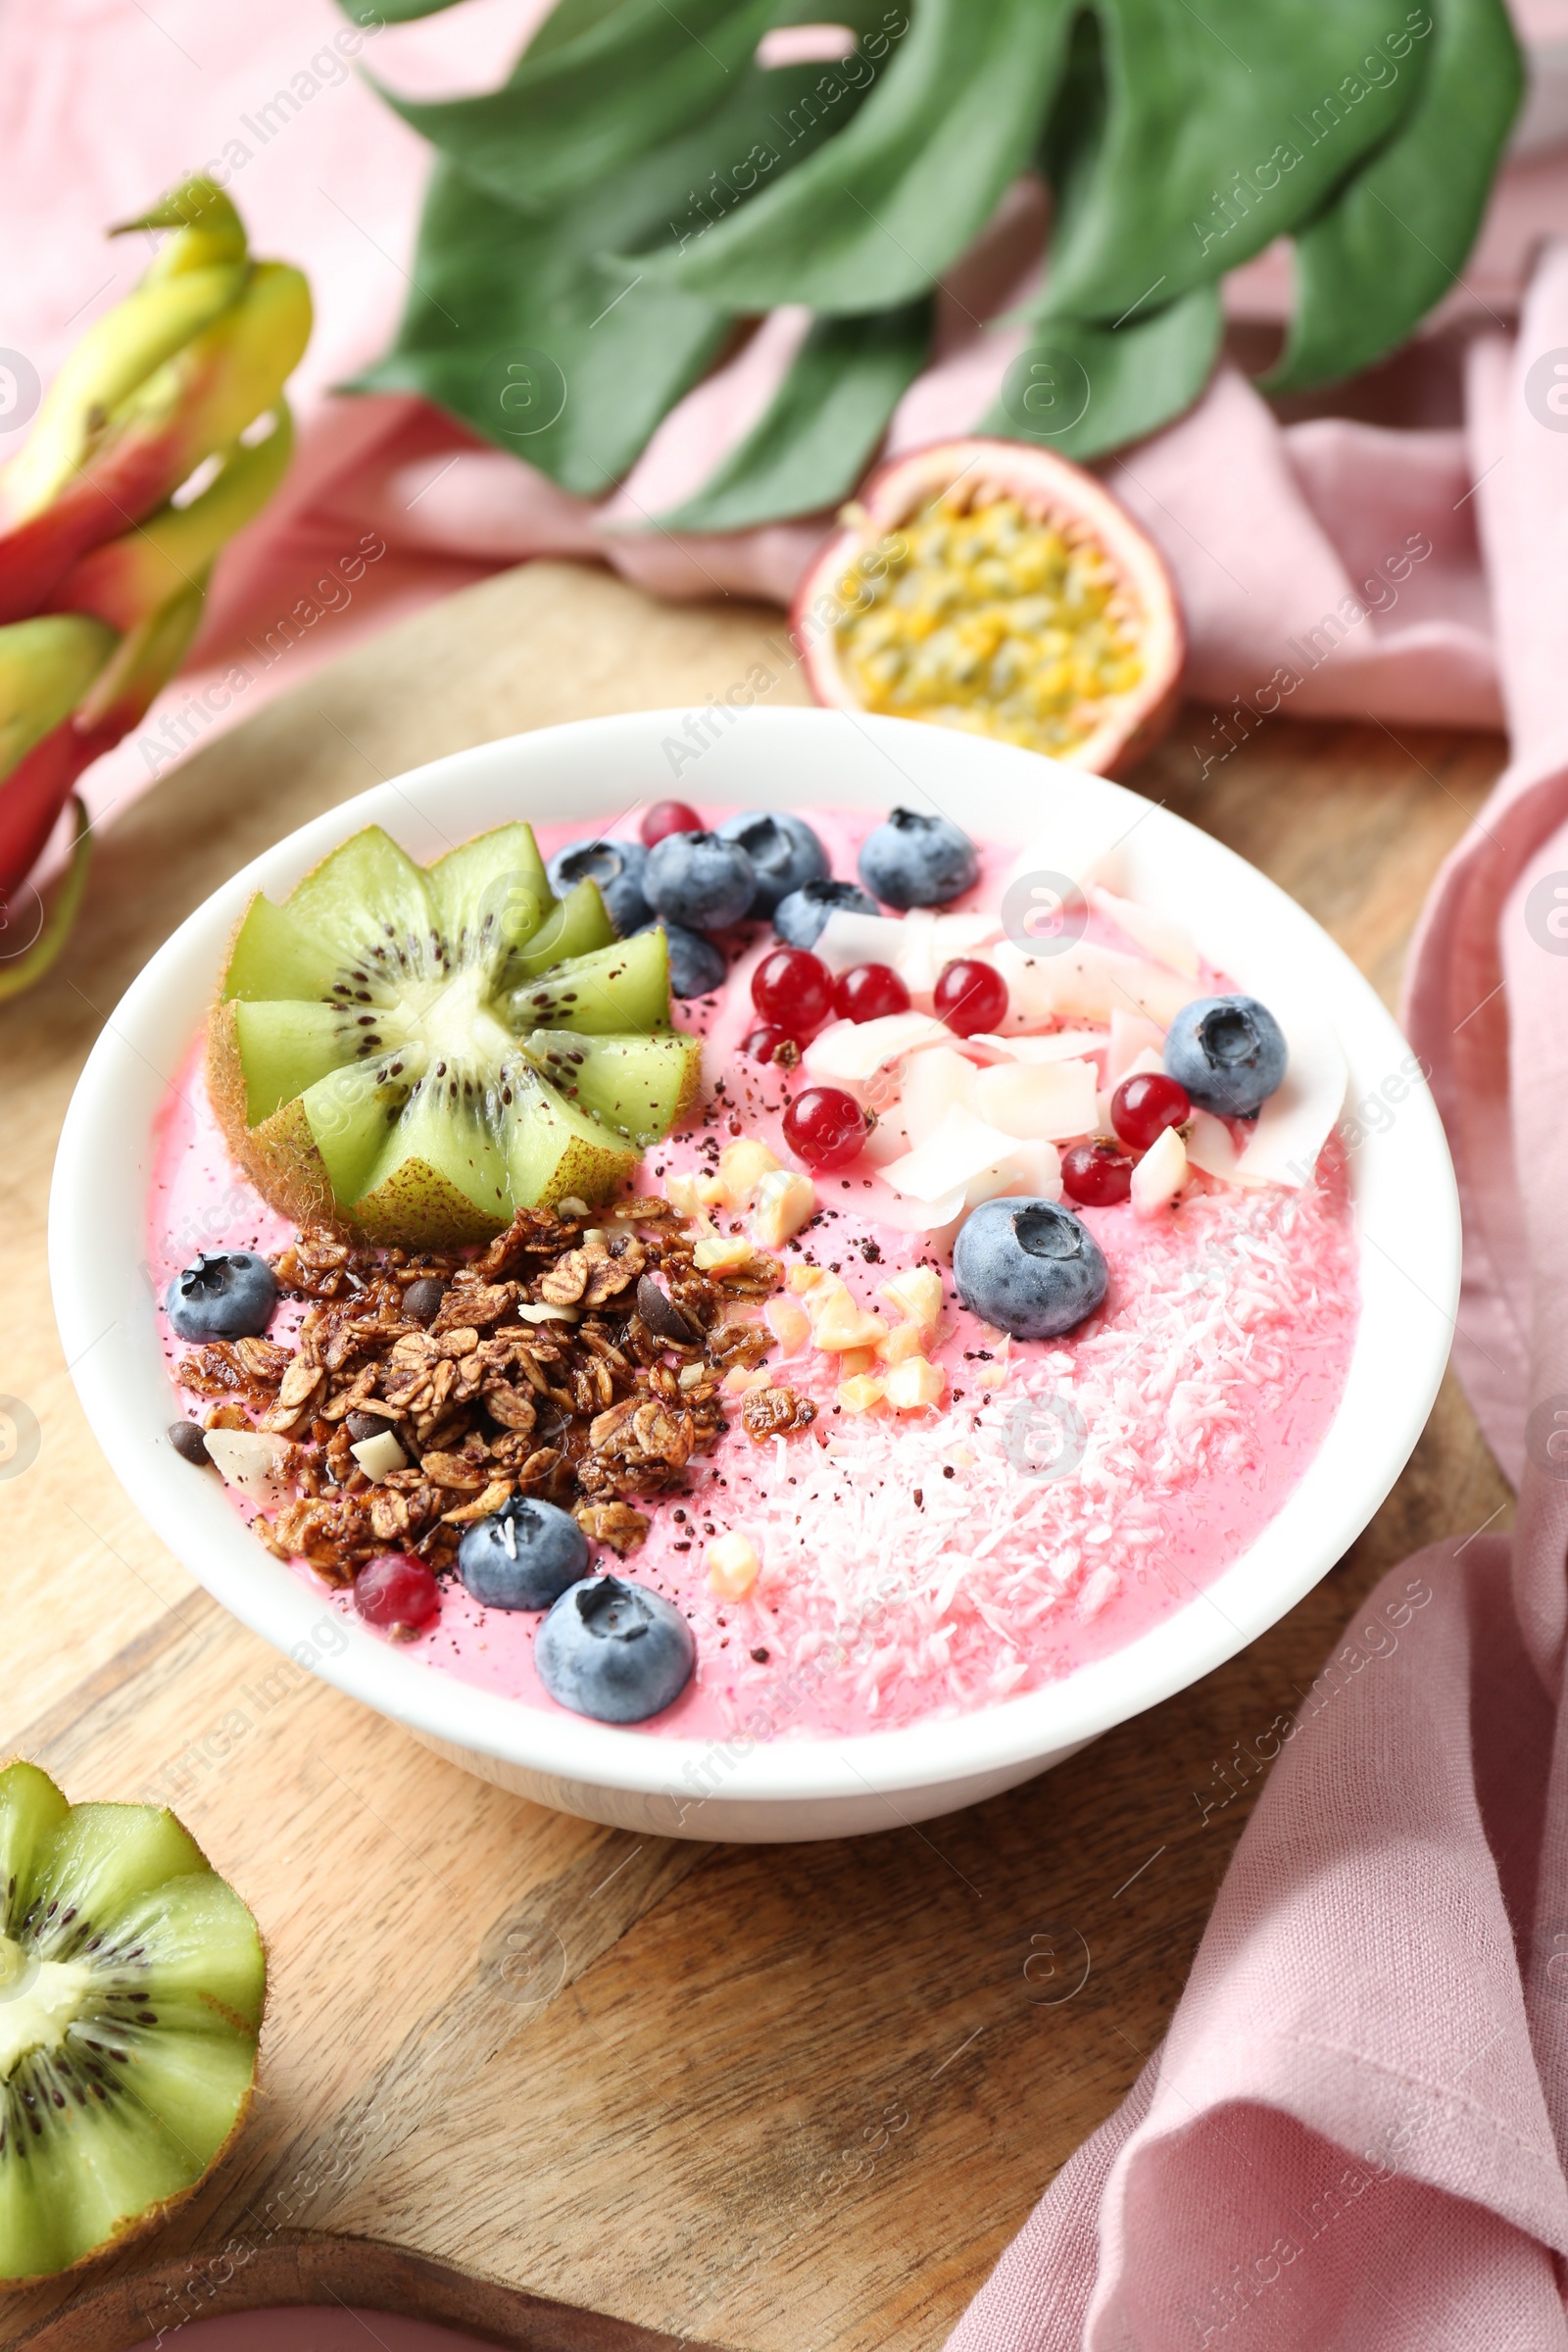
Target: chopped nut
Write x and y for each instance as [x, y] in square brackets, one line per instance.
[790, 1324]
[733, 1566]
[839, 1322]
[784, 1202]
[740, 1378]
[854, 1360]
[247, 1458]
[914, 1382]
[720, 1255]
[742, 1166]
[901, 1342]
[859, 1395]
[686, 1202]
[380, 1456]
[917, 1293]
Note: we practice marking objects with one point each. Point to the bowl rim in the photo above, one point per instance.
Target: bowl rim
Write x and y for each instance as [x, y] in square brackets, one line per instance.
[1402, 1187]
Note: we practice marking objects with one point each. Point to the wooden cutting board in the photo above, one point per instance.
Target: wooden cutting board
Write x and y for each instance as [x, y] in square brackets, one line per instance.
[565, 2085]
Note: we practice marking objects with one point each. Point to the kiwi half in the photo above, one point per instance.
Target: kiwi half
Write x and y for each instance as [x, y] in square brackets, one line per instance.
[132, 1986]
[413, 1053]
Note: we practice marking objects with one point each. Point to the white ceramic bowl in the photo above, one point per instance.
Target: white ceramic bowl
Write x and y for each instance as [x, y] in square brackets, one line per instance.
[1403, 1185]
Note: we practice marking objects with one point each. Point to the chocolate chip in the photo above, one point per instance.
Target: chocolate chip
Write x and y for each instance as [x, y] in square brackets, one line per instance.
[661, 1314]
[422, 1300]
[188, 1441]
[361, 1426]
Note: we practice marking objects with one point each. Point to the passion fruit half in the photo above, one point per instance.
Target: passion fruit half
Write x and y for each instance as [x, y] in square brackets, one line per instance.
[995, 587]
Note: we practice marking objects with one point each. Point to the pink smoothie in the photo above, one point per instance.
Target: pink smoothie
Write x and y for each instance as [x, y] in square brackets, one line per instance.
[1063, 1496]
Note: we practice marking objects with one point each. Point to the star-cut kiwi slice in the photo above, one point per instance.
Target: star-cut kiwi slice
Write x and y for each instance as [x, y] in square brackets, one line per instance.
[131, 1986]
[413, 1053]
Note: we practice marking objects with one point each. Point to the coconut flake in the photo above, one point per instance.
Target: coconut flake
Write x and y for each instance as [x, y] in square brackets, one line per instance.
[963, 1147]
[1062, 1045]
[1212, 1146]
[1297, 1120]
[849, 937]
[915, 945]
[1081, 842]
[1048, 1099]
[1161, 1174]
[1157, 935]
[852, 1051]
[1130, 1035]
[252, 1459]
[1086, 982]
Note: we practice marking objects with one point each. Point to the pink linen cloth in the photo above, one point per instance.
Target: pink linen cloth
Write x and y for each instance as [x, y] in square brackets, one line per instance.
[1355, 2134]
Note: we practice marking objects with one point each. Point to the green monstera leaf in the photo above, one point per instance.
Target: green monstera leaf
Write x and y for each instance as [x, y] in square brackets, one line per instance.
[647, 182]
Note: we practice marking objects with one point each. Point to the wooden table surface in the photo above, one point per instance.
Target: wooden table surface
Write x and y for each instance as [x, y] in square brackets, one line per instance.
[564, 2085]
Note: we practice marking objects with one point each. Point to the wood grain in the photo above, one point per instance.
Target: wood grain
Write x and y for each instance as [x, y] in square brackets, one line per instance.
[563, 2085]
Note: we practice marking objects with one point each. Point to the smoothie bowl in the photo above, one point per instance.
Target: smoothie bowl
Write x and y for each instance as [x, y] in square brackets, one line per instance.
[764, 1335]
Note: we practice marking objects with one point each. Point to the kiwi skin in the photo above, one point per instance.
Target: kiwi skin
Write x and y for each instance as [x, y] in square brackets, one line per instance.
[280, 1156]
[152, 2217]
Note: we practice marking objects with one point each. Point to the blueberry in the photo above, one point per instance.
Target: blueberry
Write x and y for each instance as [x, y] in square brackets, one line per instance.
[695, 966]
[223, 1295]
[783, 849]
[618, 868]
[799, 919]
[916, 860]
[699, 880]
[1227, 1052]
[1029, 1267]
[614, 1650]
[524, 1557]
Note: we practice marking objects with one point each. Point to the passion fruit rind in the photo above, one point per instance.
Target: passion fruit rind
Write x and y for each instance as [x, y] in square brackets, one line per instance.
[410, 1054]
[136, 1981]
[998, 589]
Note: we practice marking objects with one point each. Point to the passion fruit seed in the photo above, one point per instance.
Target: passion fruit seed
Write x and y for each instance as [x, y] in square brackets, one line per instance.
[996, 619]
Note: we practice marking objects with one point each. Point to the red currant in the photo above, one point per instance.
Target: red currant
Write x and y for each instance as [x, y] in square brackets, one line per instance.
[868, 992]
[1144, 1106]
[970, 995]
[665, 817]
[396, 1593]
[794, 988]
[825, 1127]
[771, 1045]
[1095, 1175]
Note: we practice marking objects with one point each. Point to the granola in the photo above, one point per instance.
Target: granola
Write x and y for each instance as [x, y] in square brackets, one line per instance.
[537, 1373]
